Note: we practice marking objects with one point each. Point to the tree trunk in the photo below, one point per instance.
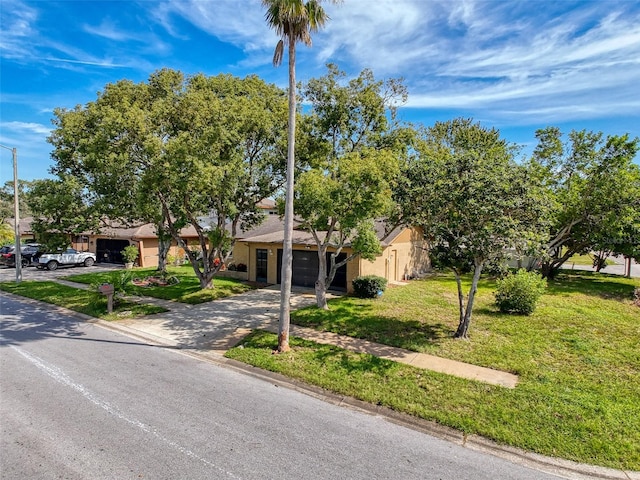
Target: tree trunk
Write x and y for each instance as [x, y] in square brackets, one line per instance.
[463, 327]
[321, 282]
[627, 264]
[460, 295]
[287, 253]
[164, 244]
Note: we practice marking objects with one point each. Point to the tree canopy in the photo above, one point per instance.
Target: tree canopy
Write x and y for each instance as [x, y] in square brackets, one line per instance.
[354, 158]
[196, 152]
[472, 199]
[594, 187]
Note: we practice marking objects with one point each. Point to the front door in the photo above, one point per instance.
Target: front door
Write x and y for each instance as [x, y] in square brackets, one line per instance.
[261, 264]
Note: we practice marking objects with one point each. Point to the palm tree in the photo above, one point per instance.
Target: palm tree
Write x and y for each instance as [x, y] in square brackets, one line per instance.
[293, 21]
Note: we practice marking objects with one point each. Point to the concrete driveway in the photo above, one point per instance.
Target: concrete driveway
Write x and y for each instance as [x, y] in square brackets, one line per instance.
[8, 274]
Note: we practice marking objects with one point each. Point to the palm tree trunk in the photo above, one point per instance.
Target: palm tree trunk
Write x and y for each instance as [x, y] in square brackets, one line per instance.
[287, 248]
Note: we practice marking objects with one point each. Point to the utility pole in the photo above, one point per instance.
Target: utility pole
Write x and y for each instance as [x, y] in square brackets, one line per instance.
[16, 212]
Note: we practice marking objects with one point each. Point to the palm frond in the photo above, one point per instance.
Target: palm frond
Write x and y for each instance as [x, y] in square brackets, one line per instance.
[278, 53]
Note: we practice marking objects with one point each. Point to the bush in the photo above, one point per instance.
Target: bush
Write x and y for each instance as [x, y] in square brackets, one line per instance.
[369, 286]
[241, 267]
[130, 253]
[519, 292]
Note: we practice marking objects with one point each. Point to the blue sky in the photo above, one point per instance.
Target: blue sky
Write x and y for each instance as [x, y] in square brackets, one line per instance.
[514, 65]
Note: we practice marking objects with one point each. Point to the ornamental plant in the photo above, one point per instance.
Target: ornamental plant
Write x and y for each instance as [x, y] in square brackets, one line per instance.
[369, 286]
[520, 292]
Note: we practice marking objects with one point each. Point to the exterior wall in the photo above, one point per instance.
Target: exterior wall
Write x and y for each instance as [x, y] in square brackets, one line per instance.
[250, 256]
[407, 257]
[148, 252]
[354, 269]
[240, 254]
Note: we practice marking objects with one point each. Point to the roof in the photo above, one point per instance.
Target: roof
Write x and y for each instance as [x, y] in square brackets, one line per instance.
[272, 231]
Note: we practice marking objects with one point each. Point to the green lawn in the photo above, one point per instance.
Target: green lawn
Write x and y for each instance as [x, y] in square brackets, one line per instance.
[186, 291]
[577, 357]
[84, 301]
[585, 260]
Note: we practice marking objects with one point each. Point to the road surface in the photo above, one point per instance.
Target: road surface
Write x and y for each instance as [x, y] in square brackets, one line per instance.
[81, 402]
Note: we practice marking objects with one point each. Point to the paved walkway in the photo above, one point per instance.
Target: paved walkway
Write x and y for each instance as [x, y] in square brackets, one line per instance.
[220, 325]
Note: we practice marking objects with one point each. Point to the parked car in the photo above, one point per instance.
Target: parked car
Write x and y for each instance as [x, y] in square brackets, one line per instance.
[51, 261]
[29, 254]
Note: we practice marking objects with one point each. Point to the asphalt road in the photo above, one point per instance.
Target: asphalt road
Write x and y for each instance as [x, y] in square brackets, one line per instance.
[81, 402]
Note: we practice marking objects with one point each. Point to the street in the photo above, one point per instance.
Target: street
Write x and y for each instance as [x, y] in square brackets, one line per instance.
[81, 402]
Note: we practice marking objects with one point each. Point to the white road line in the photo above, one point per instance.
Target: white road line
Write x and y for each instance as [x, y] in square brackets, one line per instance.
[58, 375]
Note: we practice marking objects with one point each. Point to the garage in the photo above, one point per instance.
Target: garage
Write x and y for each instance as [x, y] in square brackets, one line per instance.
[305, 269]
[108, 250]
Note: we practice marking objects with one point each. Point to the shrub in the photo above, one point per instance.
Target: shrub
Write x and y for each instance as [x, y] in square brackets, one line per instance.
[369, 286]
[636, 296]
[130, 253]
[519, 292]
[241, 267]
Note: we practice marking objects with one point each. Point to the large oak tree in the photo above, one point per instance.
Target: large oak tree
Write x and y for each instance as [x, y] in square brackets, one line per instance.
[196, 152]
[594, 187]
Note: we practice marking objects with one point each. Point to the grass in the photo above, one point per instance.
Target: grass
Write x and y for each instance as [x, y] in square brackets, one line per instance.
[577, 357]
[84, 301]
[586, 260]
[186, 291]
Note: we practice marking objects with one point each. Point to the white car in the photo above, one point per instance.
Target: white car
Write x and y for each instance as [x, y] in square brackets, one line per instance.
[70, 256]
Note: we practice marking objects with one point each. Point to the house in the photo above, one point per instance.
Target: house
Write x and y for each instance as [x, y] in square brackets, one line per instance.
[404, 252]
[404, 255]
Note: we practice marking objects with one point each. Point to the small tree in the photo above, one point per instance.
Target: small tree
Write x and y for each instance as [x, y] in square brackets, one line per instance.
[472, 200]
[354, 153]
[130, 253]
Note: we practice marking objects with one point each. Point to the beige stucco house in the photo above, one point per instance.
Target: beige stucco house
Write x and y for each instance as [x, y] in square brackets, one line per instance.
[404, 255]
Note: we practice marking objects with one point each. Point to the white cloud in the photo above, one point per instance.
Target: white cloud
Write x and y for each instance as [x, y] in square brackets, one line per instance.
[22, 128]
[240, 24]
[17, 20]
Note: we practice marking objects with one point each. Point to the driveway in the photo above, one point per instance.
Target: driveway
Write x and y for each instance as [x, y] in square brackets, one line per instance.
[220, 324]
[208, 326]
[8, 274]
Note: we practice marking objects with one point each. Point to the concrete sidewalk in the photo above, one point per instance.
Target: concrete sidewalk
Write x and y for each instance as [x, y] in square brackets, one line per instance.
[222, 324]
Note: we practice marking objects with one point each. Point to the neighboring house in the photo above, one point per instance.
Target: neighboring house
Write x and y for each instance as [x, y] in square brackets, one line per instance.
[26, 234]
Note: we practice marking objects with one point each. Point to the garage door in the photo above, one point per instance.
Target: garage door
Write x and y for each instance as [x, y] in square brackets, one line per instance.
[108, 250]
[305, 269]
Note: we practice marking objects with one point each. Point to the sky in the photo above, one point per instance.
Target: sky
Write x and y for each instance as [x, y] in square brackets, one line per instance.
[514, 65]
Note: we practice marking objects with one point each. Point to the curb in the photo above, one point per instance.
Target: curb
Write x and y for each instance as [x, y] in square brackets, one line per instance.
[563, 468]
[556, 466]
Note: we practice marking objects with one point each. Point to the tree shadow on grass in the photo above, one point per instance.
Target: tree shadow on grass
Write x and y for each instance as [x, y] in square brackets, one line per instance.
[608, 287]
[385, 330]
